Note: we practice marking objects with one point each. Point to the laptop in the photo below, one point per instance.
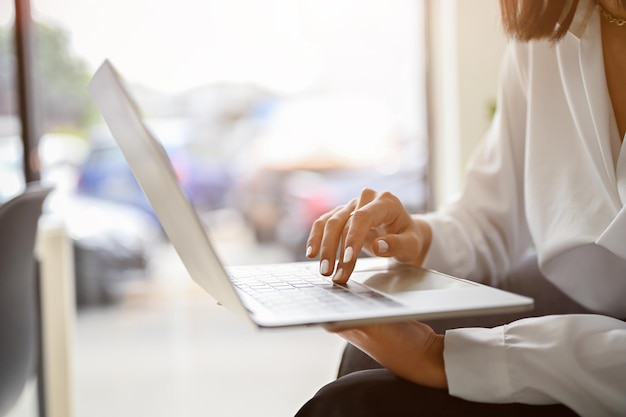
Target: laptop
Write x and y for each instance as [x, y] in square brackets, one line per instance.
[285, 294]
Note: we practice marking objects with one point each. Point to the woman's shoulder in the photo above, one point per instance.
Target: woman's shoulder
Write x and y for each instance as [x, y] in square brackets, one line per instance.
[531, 59]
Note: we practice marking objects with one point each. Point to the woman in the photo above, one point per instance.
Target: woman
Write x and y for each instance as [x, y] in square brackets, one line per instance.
[549, 176]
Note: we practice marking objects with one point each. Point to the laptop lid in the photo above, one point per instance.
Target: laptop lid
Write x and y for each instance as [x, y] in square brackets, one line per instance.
[152, 168]
[423, 294]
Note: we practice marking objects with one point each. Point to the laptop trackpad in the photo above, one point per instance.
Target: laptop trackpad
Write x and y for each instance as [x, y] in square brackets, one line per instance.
[405, 279]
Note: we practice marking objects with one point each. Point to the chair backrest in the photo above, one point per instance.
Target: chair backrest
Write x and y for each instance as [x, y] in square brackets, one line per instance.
[18, 303]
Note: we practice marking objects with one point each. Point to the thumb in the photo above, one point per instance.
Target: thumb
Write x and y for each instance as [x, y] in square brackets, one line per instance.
[404, 248]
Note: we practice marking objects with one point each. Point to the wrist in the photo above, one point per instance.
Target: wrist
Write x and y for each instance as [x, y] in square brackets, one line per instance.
[424, 238]
[438, 377]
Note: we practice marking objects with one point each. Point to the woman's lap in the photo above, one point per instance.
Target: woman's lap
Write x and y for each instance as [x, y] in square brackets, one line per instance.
[377, 392]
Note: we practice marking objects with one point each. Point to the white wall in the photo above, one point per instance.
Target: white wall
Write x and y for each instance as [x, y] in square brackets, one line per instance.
[466, 47]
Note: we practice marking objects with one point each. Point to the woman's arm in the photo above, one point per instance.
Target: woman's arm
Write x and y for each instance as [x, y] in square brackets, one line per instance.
[576, 360]
[484, 233]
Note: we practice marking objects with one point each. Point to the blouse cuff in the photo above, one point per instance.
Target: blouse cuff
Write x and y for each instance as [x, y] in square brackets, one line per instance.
[475, 365]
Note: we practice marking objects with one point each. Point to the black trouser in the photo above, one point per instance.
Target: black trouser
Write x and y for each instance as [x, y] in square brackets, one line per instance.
[365, 389]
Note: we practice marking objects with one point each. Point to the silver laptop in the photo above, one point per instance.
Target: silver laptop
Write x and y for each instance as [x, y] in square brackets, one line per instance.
[289, 294]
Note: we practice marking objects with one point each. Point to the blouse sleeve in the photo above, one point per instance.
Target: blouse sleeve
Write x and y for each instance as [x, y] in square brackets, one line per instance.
[576, 360]
[484, 233]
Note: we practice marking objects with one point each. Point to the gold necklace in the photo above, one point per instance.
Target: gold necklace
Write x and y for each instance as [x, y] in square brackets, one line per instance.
[610, 18]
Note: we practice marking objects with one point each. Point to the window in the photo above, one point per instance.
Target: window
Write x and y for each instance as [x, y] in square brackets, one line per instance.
[11, 173]
[280, 109]
[272, 112]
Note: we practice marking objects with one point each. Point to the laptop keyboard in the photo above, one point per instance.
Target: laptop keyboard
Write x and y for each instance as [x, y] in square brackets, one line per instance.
[291, 290]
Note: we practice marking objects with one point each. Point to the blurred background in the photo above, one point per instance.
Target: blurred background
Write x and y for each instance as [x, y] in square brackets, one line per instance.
[272, 113]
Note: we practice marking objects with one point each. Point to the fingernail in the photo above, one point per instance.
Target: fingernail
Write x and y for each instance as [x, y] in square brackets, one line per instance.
[338, 275]
[324, 267]
[382, 246]
[347, 254]
[309, 251]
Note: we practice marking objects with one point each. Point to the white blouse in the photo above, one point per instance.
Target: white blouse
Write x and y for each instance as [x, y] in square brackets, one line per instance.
[545, 177]
[549, 176]
[577, 360]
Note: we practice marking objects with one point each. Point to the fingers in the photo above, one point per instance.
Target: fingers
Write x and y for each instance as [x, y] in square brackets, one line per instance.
[326, 234]
[343, 232]
[350, 249]
[375, 222]
[336, 231]
[359, 233]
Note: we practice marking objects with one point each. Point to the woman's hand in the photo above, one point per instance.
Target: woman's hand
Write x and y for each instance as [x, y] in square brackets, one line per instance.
[411, 350]
[379, 224]
[375, 222]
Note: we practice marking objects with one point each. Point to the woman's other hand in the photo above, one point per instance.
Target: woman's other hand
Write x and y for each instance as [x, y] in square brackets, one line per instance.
[375, 222]
[411, 350]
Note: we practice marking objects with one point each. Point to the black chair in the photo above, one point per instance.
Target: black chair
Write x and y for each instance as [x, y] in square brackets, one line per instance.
[19, 303]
